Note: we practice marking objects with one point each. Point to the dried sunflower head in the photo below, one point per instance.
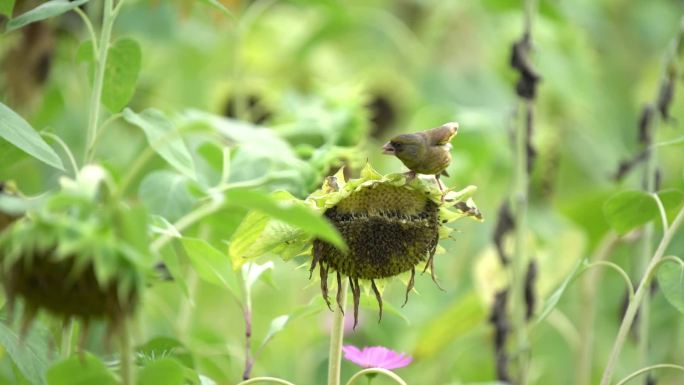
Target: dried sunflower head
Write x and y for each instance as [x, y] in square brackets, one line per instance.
[76, 255]
[391, 225]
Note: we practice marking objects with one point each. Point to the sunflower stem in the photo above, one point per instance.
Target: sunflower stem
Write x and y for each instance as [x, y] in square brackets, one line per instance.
[67, 337]
[336, 337]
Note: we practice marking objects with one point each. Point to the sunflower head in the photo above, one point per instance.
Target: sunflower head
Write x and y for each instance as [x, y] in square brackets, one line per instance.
[76, 255]
[391, 224]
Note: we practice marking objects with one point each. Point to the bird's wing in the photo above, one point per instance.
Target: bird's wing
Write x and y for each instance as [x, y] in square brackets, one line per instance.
[441, 135]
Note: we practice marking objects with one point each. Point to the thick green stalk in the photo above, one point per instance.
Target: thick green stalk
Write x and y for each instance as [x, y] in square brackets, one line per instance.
[641, 292]
[101, 63]
[336, 337]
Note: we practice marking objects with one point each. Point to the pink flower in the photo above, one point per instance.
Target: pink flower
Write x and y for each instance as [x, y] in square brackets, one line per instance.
[376, 357]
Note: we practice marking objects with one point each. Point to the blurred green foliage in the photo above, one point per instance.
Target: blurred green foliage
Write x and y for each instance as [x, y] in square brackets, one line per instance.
[295, 89]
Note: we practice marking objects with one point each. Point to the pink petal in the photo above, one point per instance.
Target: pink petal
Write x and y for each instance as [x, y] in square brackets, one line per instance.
[353, 354]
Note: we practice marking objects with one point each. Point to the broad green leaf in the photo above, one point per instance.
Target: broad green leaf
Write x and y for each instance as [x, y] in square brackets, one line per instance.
[166, 193]
[85, 52]
[6, 7]
[14, 129]
[210, 264]
[43, 11]
[259, 234]
[287, 211]
[80, 370]
[628, 210]
[121, 73]
[30, 355]
[458, 320]
[165, 371]
[671, 282]
[163, 136]
[551, 302]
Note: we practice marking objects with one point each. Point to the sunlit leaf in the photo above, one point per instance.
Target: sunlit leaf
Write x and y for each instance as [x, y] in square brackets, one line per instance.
[83, 369]
[671, 282]
[164, 371]
[163, 137]
[43, 11]
[121, 73]
[16, 130]
[210, 264]
[288, 212]
[166, 193]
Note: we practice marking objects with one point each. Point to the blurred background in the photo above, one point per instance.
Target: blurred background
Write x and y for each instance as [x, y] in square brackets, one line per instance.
[334, 80]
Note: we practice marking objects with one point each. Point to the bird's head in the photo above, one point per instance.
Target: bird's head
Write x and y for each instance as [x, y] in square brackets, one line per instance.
[404, 146]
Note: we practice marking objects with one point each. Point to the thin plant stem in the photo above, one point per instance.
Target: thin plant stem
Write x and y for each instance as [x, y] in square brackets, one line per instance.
[618, 269]
[661, 209]
[67, 337]
[336, 337]
[588, 292]
[648, 369]
[66, 149]
[384, 372]
[127, 362]
[639, 296]
[272, 380]
[89, 27]
[96, 96]
[247, 313]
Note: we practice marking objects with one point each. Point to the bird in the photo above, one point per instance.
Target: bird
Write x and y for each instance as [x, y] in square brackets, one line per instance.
[425, 152]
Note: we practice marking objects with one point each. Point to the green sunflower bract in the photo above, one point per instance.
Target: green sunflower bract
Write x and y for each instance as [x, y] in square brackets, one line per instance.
[390, 223]
[76, 255]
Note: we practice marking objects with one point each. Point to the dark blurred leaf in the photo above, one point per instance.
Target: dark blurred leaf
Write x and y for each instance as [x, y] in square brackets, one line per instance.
[80, 370]
[166, 193]
[295, 214]
[671, 281]
[14, 129]
[211, 265]
[165, 371]
[121, 73]
[162, 135]
[30, 355]
[43, 11]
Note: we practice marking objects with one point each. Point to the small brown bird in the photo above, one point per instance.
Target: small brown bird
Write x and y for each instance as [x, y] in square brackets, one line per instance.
[424, 152]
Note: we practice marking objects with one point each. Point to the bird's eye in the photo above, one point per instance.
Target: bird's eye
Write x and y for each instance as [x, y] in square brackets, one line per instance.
[397, 146]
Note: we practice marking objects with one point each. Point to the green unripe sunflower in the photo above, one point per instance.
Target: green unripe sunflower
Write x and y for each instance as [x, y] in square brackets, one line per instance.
[76, 255]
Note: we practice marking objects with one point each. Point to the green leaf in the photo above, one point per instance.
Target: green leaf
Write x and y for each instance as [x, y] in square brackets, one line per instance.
[121, 73]
[628, 210]
[252, 271]
[80, 370]
[166, 193]
[210, 264]
[165, 347]
[671, 282]
[165, 371]
[30, 355]
[551, 302]
[6, 7]
[43, 11]
[85, 52]
[291, 212]
[162, 135]
[14, 129]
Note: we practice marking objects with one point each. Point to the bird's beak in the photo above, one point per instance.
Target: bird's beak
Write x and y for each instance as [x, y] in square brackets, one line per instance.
[388, 149]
